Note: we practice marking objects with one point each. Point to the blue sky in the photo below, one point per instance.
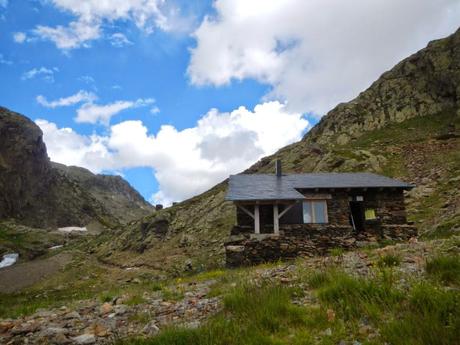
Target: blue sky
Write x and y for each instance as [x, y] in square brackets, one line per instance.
[175, 96]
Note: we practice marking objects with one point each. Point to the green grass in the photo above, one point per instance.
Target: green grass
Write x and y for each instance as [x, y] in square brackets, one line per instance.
[318, 279]
[420, 128]
[82, 279]
[268, 306]
[28, 301]
[357, 297]
[445, 228]
[107, 296]
[135, 300]
[263, 312]
[389, 260]
[431, 316]
[252, 315]
[425, 314]
[336, 251]
[445, 269]
[202, 276]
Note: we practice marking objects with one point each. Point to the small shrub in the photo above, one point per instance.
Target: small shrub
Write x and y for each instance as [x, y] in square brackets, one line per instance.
[387, 242]
[319, 279]
[171, 295]
[445, 269]
[337, 251]
[209, 275]
[389, 260]
[142, 317]
[107, 296]
[156, 286]
[134, 300]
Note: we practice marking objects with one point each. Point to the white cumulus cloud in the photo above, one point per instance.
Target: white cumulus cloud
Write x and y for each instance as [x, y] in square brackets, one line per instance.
[188, 161]
[90, 112]
[19, 37]
[79, 97]
[119, 40]
[90, 16]
[94, 113]
[46, 74]
[316, 53]
[66, 146]
[77, 34]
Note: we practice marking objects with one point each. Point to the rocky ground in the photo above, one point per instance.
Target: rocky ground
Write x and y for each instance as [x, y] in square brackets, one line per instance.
[91, 321]
[191, 300]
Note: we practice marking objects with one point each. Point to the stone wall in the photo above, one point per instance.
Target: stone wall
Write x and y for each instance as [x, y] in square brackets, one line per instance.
[389, 206]
[244, 248]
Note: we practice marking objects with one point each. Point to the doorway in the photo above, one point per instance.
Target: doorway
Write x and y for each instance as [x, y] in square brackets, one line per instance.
[357, 215]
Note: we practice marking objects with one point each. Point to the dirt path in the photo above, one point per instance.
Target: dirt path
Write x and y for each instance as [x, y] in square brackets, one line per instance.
[19, 276]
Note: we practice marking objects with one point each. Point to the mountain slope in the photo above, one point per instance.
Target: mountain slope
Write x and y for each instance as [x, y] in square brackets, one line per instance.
[121, 200]
[39, 193]
[425, 83]
[406, 125]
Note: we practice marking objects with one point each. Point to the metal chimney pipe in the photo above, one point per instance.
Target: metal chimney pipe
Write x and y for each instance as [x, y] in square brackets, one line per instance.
[278, 168]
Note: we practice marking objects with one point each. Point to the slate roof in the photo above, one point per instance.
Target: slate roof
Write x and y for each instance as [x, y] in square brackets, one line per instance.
[246, 187]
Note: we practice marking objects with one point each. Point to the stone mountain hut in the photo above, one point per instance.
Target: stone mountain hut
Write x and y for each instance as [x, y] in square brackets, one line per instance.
[281, 216]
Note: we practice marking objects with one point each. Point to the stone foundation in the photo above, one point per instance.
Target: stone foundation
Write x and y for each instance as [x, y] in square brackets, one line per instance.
[244, 248]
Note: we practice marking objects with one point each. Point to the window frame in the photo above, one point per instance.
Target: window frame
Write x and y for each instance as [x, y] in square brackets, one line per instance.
[313, 211]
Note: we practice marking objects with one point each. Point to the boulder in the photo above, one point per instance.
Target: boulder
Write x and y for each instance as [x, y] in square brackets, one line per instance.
[84, 339]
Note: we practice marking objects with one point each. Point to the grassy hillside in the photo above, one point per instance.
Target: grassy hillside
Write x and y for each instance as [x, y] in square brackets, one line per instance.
[335, 304]
[400, 294]
[195, 229]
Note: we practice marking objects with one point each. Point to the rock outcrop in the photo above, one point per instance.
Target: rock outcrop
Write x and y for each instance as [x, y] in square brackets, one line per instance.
[120, 199]
[37, 192]
[25, 169]
[426, 83]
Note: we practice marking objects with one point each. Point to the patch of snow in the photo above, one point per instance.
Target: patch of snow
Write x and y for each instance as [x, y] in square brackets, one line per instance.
[131, 268]
[9, 259]
[73, 228]
[56, 247]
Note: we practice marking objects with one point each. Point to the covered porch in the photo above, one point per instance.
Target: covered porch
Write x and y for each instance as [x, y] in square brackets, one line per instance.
[265, 217]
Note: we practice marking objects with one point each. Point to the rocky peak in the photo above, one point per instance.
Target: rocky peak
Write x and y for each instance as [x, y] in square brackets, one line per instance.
[425, 83]
[41, 193]
[24, 164]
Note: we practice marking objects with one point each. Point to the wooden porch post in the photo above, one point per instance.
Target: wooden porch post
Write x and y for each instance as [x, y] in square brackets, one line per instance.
[276, 224]
[256, 219]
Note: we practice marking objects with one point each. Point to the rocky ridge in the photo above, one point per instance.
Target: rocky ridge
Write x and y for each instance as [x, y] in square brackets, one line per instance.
[425, 83]
[39, 193]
